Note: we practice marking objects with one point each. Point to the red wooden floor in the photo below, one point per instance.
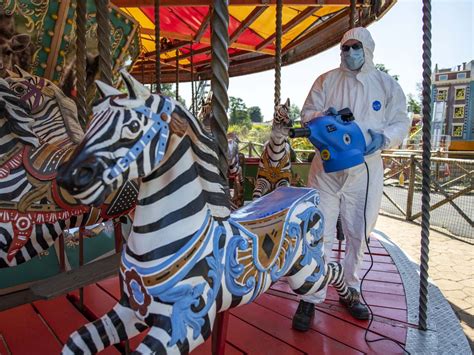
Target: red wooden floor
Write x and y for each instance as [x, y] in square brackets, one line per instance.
[263, 327]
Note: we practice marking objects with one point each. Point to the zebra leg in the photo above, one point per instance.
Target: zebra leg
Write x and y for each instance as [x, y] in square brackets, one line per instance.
[304, 282]
[262, 186]
[158, 338]
[117, 325]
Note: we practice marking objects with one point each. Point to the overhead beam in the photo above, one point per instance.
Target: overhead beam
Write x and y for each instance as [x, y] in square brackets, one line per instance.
[167, 3]
[204, 40]
[246, 23]
[288, 26]
[203, 27]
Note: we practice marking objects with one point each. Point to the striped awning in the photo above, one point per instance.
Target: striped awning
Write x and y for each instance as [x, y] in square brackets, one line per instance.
[309, 27]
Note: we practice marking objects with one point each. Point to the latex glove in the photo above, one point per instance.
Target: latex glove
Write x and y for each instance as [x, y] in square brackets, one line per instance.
[331, 111]
[378, 140]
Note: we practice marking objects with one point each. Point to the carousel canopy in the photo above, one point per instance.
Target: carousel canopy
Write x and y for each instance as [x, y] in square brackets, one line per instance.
[308, 27]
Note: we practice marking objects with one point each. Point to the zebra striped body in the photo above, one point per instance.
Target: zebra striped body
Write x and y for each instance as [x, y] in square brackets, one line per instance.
[187, 257]
[274, 167]
[32, 217]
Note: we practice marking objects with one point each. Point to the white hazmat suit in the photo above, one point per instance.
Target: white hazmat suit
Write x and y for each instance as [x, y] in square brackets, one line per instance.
[378, 103]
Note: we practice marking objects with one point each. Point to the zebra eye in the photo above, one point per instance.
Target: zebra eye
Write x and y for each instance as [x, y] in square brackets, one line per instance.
[19, 89]
[134, 127]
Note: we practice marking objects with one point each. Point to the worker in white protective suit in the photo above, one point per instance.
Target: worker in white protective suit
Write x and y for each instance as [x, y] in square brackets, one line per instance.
[379, 108]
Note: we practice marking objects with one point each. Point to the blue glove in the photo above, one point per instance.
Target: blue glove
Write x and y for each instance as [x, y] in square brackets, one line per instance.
[331, 111]
[378, 140]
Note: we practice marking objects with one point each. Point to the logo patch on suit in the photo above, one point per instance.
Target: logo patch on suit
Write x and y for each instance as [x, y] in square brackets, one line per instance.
[376, 105]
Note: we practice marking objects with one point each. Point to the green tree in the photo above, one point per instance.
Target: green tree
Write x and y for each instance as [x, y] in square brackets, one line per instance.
[413, 104]
[238, 112]
[294, 112]
[382, 68]
[168, 90]
[255, 114]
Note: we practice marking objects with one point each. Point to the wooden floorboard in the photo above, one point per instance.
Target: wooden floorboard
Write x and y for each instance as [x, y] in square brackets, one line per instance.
[263, 327]
[26, 333]
[348, 333]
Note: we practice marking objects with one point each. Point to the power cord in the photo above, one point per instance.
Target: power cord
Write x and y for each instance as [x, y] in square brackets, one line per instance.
[368, 270]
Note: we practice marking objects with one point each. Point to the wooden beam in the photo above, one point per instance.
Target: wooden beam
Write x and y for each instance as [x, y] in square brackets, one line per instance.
[204, 40]
[289, 25]
[167, 3]
[74, 279]
[187, 55]
[204, 25]
[247, 22]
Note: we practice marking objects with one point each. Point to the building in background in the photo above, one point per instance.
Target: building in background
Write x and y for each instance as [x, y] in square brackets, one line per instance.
[453, 111]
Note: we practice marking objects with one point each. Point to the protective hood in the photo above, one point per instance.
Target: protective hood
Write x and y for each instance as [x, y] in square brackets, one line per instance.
[362, 35]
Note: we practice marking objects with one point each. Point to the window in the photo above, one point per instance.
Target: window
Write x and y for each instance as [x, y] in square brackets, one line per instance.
[457, 129]
[442, 95]
[461, 76]
[458, 112]
[443, 77]
[460, 93]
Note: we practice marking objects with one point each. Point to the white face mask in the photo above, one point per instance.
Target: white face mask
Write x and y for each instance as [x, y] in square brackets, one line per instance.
[354, 58]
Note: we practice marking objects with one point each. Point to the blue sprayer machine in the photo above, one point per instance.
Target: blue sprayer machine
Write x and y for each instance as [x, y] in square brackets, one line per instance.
[338, 138]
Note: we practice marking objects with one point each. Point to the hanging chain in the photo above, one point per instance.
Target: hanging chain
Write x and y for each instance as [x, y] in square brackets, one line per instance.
[103, 35]
[81, 97]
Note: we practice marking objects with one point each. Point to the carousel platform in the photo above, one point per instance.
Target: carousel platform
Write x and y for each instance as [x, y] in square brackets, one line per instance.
[264, 327]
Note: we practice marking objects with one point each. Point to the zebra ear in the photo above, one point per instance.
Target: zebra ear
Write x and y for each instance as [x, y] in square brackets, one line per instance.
[106, 90]
[287, 103]
[135, 89]
[12, 74]
[22, 73]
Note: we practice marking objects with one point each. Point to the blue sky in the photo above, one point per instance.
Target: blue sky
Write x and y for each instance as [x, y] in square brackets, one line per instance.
[398, 39]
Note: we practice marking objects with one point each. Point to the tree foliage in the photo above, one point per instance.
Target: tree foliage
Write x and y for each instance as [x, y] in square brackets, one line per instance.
[168, 90]
[255, 114]
[294, 112]
[238, 113]
[382, 68]
[413, 104]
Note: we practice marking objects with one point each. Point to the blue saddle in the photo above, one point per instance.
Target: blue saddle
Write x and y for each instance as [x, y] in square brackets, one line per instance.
[276, 201]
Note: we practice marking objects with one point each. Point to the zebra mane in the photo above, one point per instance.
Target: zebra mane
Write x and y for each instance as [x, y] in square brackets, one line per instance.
[15, 116]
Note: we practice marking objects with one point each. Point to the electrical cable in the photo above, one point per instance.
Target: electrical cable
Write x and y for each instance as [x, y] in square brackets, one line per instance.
[383, 337]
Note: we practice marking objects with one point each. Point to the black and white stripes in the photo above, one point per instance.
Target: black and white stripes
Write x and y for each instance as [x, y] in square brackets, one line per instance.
[187, 258]
[274, 167]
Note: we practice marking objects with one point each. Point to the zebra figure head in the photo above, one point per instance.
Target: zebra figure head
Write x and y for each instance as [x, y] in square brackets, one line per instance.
[128, 138]
[281, 117]
[15, 120]
[55, 114]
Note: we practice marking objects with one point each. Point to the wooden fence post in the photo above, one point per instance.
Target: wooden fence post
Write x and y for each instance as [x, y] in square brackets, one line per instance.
[411, 188]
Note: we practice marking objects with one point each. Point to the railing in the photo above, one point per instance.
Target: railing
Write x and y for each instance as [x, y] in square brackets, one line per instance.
[452, 200]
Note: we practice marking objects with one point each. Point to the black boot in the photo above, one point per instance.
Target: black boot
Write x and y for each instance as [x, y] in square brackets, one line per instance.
[357, 309]
[303, 316]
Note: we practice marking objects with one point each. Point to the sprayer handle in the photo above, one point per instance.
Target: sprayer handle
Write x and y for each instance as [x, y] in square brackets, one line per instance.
[299, 132]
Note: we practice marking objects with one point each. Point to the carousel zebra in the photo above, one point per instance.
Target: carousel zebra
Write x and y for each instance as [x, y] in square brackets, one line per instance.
[274, 167]
[33, 211]
[54, 114]
[187, 257]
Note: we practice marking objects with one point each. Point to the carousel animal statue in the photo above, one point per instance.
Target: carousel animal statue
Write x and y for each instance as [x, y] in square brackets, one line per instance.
[274, 167]
[38, 131]
[235, 175]
[187, 257]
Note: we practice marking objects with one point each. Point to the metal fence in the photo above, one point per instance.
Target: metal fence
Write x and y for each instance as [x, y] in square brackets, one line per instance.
[452, 198]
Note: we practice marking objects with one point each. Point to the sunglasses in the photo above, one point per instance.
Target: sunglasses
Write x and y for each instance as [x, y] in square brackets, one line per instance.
[355, 46]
